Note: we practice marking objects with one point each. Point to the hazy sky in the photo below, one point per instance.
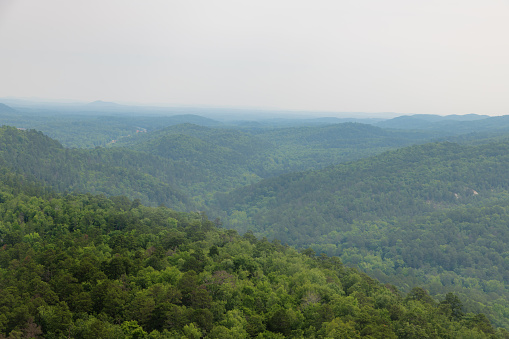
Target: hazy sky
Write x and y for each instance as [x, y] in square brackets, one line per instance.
[421, 56]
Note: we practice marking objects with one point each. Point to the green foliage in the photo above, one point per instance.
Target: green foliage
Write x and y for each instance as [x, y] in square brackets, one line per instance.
[98, 171]
[433, 215]
[151, 278]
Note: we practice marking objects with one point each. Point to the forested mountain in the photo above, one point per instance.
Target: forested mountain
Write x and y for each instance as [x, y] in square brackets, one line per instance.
[342, 135]
[85, 266]
[195, 169]
[425, 214]
[451, 124]
[405, 182]
[424, 121]
[301, 122]
[112, 172]
[91, 131]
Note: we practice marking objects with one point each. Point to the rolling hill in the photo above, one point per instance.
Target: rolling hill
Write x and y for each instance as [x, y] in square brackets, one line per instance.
[433, 214]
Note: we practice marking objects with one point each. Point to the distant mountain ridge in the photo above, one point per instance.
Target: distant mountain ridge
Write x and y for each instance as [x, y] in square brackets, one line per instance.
[434, 122]
[6, 109]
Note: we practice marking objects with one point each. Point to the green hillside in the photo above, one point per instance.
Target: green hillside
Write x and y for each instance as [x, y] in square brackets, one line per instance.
[432, 214]
[84, 266]
[405, 182]
[218, 158]
[112, 172]
[4, 109]
[451, 124]
[89, 127]
[267, 152]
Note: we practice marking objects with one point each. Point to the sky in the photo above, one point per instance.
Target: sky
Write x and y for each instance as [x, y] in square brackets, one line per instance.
[409, 57]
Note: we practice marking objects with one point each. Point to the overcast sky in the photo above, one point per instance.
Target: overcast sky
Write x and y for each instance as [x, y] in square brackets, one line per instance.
[421, 56]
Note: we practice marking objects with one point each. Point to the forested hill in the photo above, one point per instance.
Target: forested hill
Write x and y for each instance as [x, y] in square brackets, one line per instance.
[112, 172]
[268, 152]
[433, 214]
[221, 159]
[195, 168]
[191, 160]
[183, 166]
[85, 266]
[6, 109]
[343, 135]
[452, 124]
[89, 129]
[238, 141]
[405, 182]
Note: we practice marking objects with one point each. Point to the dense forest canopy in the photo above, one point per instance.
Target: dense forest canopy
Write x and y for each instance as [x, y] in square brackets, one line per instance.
[425, 214]
[423, 208]
[86, 266]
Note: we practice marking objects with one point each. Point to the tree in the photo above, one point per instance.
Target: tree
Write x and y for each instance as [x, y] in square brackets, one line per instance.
[56, 320]
[453, 303]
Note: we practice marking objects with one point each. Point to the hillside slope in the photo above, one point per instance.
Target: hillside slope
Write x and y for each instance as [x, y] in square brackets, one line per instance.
[264, 153]
[433, 214]
[112, 172]
[451, 124]
[404, 182]
[85, 266]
